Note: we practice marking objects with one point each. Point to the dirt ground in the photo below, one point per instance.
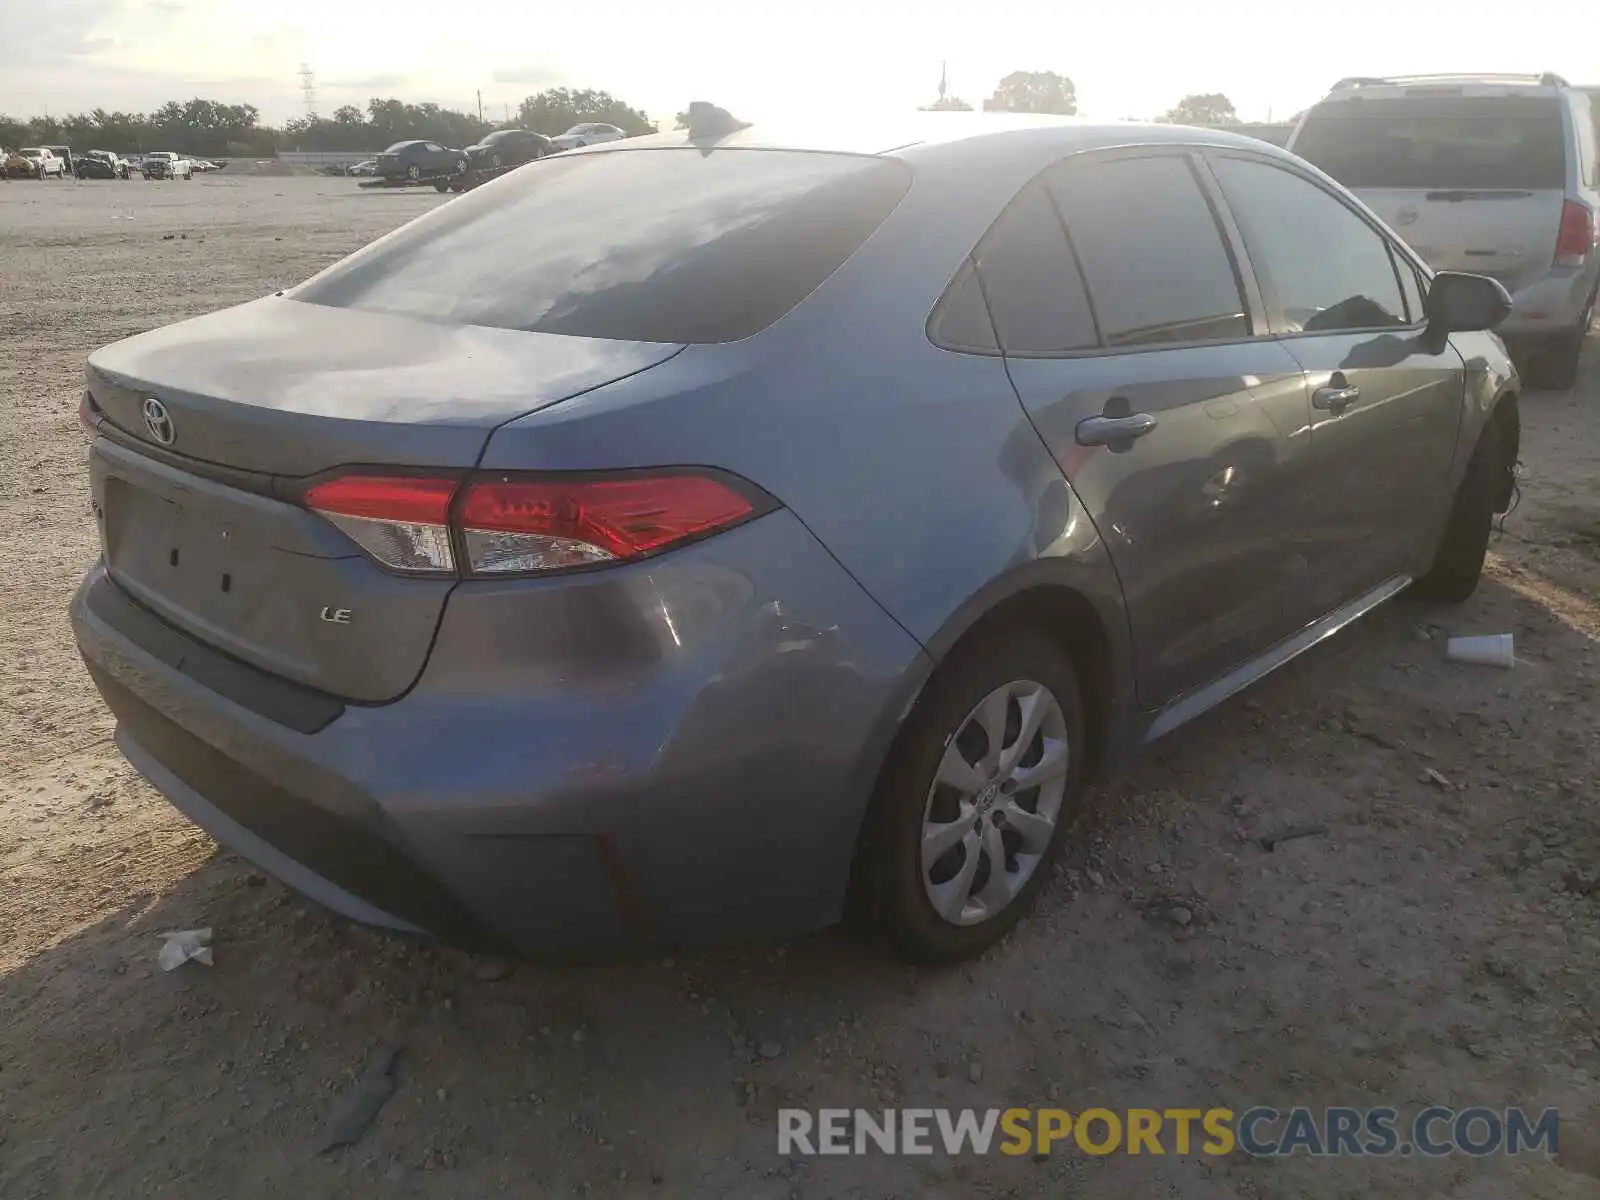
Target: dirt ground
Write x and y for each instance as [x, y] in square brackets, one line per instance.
[1438, 944]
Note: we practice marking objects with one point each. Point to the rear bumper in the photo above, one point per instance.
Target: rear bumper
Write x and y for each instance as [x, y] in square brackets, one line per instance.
[1553, 304]
[671, 753]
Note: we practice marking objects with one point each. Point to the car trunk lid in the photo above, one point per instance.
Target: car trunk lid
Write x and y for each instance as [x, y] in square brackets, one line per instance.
[199, 516]
[286, 388]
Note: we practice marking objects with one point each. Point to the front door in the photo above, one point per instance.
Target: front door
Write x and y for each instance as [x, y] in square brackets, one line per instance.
[1386, 397]
[1179, 429]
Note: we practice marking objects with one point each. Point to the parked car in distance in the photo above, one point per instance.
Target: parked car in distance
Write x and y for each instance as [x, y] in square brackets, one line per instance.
[164, 164]
[365, 167]
[588, 133]
[1498, 174]
[651, 615]
[35, 162]
[417, 160]
[102, 164]
[508, 148]
[69, 161]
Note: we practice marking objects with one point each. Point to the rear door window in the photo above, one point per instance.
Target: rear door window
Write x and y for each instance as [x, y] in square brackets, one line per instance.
[1032, 281]
[1456, 143]
[666, 245]
[1153, 256]
[1326, 267]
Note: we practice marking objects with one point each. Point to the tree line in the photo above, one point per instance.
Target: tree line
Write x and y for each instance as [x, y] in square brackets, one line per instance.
[213, 129]
[1050, 92]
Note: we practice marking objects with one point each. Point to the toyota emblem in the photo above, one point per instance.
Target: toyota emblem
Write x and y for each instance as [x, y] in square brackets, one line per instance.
[158, 422]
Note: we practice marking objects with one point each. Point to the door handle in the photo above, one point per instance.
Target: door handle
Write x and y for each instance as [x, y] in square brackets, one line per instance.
[1338, 395]
[1117, 432]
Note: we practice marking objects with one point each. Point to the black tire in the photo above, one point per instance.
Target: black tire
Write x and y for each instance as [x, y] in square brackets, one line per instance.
[1458, 563]
[889, 868]
[441, 185]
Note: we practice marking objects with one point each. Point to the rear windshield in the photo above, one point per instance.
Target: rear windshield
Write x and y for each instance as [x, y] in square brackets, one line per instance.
[398, 146]
[1438, 142]
[660, 245]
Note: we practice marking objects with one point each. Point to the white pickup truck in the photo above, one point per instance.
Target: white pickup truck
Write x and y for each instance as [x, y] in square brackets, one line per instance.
[164, 164]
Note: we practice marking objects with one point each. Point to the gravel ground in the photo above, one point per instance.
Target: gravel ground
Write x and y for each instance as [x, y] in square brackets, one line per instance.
[1437, 944]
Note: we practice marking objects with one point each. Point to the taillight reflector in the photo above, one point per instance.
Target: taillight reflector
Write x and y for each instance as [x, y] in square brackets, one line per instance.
[1576, 237]
[512, 525]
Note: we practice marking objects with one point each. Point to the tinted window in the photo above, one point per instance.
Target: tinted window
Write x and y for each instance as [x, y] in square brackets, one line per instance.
[961, 321]
[1438, 142]
[1329, 269]
[1032, 282]
[667, 245]
[397, 147]
[1155, 262]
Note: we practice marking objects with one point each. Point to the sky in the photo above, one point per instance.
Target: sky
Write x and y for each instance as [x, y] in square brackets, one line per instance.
[759, 58]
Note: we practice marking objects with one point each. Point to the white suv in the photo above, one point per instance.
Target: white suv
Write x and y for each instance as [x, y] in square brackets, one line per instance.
[1494, 174]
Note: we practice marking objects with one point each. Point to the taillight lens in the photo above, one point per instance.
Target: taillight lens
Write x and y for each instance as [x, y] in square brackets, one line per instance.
[402, 522]
[86, 419]
[1576, 237]
[514, 526]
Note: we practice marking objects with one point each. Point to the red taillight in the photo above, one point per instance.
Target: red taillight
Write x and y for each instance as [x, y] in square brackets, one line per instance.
[511, 525]
[515, 525]
[1576, 237]
[86, 418]
[402, 522]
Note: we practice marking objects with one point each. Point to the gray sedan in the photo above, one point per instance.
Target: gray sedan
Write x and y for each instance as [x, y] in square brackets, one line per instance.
[680, 539]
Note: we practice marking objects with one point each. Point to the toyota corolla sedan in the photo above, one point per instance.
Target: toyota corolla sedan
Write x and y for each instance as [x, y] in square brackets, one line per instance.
[674, 538]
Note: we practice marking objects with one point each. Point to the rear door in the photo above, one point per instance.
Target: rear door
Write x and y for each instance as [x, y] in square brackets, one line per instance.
[1473, 182]
[1132, 344]
[1386, 399]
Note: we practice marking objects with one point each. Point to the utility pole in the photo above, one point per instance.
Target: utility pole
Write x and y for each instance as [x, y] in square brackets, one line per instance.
[308, 89]
[480, 106]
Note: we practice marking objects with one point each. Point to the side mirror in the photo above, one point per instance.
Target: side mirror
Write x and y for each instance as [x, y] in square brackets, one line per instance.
[1462, 303]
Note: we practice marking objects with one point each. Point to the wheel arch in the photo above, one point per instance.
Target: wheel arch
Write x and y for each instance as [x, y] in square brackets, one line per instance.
[1078, 606]
[1505, 417]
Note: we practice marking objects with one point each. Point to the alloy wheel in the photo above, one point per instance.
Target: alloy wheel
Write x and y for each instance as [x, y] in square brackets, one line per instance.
[992, 808]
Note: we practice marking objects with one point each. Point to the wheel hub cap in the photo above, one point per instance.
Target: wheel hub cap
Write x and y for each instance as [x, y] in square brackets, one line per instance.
[992, 808]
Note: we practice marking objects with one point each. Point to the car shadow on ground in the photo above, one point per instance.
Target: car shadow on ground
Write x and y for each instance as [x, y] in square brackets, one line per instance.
[1404, 952]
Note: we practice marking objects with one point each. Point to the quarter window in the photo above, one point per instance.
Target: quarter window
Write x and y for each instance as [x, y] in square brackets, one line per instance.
[1328, 268]
[1156, 266]
[1032, 283]
[961, 321]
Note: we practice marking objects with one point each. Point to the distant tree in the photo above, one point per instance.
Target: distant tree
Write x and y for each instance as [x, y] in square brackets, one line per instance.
[557, 110]
[1034, 92]
[1210, 108]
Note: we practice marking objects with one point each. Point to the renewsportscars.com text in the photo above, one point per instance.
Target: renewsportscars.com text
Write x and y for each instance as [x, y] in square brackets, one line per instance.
[1259, 1131]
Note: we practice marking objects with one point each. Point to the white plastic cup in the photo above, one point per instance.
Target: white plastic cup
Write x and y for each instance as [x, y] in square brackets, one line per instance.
[1490, 649]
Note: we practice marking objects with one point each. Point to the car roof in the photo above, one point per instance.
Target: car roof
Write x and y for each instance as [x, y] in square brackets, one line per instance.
[945, 133]
[1444, 87]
